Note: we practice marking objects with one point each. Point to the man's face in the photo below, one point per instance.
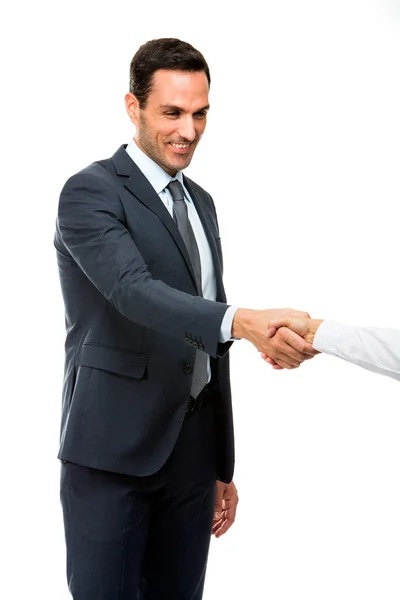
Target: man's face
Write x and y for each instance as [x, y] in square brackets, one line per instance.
[169, 128]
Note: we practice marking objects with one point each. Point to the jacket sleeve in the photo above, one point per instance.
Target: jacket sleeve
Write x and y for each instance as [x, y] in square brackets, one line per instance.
[90, 224]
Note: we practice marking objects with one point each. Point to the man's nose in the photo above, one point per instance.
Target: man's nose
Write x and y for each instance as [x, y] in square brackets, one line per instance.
[187, 129]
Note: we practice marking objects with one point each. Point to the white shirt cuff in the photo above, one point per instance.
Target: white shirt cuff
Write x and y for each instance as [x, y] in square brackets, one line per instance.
[329, 333]
[225, 334]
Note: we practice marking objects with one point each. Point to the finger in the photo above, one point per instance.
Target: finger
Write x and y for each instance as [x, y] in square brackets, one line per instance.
[300, 314]
[271, 332]
[216, 525]
[270, 361]
[217, 528]
[226, 525]
[229, 505]
[284, 361]
[296, 347]
[296, 341]
[218, 501]
[297, 325]
[289, 354]
[283, 364]
[273, 364]
[277, 323]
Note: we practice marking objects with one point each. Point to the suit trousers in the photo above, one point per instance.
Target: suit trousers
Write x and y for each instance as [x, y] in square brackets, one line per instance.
[143, 538]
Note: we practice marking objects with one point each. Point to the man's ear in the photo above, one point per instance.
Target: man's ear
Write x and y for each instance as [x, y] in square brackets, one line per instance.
[132, 108]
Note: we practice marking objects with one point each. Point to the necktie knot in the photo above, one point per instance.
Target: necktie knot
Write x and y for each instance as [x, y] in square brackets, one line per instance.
[176, 190]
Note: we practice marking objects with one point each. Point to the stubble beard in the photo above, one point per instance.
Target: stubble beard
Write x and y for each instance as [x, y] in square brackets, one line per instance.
[150, 147]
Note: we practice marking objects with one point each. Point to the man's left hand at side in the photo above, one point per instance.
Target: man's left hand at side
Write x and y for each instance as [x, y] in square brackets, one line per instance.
[226, 502]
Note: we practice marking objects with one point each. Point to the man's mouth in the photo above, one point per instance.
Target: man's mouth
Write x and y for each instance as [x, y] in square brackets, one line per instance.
[181, 146]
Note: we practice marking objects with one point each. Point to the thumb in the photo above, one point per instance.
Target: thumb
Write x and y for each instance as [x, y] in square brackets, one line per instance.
[218, 502]
[271, 331]
[276, 323]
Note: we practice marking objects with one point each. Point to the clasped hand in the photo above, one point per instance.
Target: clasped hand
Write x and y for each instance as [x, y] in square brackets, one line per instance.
[304, 328]
[273, 332]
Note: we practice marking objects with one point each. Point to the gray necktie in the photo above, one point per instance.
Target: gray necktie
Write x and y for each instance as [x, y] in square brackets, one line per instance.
[200, 374]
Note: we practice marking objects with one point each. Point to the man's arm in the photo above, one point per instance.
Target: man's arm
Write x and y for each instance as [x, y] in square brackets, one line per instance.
[90, 225]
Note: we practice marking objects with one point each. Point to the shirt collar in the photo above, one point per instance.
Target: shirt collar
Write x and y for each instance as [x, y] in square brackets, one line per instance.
[156, 175]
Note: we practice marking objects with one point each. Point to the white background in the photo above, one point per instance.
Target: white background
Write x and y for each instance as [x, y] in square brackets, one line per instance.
[302, 158]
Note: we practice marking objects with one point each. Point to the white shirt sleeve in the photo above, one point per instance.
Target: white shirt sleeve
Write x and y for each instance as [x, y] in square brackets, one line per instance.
[372, 348]
[226, 325]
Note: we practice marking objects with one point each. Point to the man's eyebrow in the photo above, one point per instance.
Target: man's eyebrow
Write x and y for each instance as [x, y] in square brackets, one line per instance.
[178, 109]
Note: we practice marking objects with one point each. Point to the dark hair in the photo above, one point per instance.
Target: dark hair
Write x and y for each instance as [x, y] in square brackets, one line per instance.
[163, 53]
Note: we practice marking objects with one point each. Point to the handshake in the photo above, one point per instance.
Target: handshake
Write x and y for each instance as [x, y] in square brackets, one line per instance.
[283, 336]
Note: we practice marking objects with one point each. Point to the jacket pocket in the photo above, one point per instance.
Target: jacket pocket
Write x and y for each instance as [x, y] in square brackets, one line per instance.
[114, 360]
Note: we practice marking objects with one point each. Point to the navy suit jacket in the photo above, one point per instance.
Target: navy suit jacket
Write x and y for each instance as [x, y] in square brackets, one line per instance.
[134, 322]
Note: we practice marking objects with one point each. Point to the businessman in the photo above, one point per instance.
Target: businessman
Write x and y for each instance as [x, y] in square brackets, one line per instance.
[376, 349]
[147, 445]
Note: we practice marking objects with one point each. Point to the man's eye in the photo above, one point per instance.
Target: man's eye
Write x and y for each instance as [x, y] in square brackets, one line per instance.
[200, 115]
[172, 114]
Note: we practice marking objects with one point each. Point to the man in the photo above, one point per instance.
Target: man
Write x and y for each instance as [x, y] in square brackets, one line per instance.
[147, 435]
[373, 348]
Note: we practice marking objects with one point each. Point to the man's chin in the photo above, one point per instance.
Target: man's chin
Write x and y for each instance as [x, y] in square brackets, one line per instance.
[180, 161]
[179, 165]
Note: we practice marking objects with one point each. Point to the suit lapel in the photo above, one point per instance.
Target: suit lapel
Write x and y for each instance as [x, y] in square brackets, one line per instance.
[141, 188]
[133, 180]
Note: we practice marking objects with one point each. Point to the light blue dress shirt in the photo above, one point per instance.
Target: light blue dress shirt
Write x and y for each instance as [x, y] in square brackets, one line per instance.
[159, 179]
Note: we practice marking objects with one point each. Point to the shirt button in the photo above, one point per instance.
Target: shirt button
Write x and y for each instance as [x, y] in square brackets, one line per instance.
[187, 369]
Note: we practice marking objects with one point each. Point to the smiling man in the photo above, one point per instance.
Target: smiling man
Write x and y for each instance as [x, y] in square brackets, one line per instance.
[170, 123]
[147, 435]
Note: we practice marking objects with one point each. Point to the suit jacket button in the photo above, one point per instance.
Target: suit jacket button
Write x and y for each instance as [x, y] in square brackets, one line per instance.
[188, 369]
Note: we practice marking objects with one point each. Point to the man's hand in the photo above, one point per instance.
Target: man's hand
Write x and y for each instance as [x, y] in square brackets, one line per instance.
[226, 502]
[304, 327]
[286, 348]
